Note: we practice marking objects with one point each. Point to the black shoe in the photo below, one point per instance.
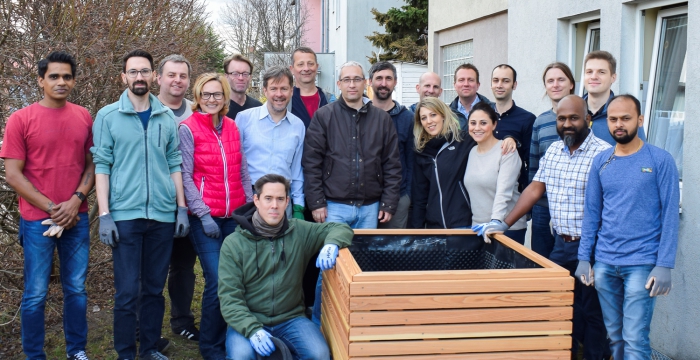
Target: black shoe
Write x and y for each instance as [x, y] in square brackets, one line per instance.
[162, 344]
[189, 333]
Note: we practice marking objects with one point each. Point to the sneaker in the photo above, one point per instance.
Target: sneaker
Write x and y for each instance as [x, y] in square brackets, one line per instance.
[189, 333]
[155, 356]
[161, 345]
[80, 355]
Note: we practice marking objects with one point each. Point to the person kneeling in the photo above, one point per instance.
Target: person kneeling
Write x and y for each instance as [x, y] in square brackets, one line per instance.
[260, 275]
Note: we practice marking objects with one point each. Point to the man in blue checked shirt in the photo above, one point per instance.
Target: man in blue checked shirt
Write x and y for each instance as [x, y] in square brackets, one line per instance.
[563, 174]
[273, 138]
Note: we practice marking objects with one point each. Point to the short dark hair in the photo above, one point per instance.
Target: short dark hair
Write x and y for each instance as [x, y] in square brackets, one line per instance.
[381, 65]
[515, 74]
[305, 50]
[272, 178]
[56, 57]
[602, 55]
[565, 69]
[637, 104]
[277, 72]
[470, 67]
[137, 53]
[483, 106]
[237, 57]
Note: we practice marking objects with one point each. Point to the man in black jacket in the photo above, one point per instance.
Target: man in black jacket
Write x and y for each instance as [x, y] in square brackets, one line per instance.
[352, 171]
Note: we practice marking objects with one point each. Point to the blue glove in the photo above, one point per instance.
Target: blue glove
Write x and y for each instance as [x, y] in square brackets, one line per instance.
[326, 258]
[209, 226]
[261, 343]
[584, 272]
[182, 224]
[479, 228]
[661, 278]
[495, 226]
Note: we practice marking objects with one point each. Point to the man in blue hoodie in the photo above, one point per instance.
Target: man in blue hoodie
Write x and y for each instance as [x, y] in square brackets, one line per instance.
[141, 203]
[382, 77]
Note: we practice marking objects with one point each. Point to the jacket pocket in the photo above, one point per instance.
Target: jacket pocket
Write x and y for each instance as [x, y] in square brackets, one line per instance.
[327, 168]
[201, 188]
[114, 189]
[380, 173]
[159, 132]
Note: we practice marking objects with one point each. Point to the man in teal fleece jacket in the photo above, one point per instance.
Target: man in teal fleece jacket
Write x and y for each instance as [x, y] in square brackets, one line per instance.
[141, 203]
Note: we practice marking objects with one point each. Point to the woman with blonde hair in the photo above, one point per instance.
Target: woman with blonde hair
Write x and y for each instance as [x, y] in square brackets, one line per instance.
[216, 181]
[442, 149]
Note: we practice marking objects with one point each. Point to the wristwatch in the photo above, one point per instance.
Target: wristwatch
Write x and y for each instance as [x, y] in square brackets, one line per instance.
[80, 196]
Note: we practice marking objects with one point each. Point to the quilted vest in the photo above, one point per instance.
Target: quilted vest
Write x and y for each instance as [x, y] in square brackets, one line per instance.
[217, 163]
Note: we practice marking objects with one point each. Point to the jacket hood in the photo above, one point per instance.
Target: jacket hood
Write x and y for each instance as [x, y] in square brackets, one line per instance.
[397, 109]
[244, 217]
[125, 105]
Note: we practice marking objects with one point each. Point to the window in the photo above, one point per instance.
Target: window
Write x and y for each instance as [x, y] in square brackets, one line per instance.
[665, 105]
[452, 57]
[591, 30]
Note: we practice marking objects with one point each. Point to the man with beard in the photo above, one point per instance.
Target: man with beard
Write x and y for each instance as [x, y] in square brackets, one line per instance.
[429, 85]
[382, 77]
[239, 72]
[633, 239]
[307, 97]
[141, 203]
[273, 138]
[563, 174]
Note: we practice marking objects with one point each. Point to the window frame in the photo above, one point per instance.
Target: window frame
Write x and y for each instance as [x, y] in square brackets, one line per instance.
[443, 60]
[592, 25]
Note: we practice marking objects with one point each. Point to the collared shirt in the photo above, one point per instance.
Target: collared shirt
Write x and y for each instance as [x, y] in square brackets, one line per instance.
[565, 176]
[517, 123]
[464, 111]
[273, 148]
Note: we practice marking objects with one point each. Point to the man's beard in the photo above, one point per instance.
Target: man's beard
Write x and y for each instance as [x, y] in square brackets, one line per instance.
[383, 97]
[626, 138]
[139, 91]
[576, 138]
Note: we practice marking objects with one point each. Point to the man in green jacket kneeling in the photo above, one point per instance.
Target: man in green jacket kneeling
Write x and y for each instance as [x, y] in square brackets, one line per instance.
[261, 267]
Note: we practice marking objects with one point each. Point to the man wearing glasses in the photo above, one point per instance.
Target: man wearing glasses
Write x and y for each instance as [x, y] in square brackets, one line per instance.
[239, 72]
[352, 168]
[141, 203]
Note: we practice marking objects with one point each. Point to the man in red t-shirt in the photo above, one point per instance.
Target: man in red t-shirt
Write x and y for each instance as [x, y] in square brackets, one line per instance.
[307, 97]
[48, 163]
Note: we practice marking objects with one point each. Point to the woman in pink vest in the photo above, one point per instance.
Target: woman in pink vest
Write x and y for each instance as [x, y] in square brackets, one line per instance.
[216, 181]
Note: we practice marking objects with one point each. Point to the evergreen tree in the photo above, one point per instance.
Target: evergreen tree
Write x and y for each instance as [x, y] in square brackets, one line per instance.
[406, 33]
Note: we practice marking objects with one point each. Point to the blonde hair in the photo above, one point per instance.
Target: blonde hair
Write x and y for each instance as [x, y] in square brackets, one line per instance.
[449, 126]
[199, 84]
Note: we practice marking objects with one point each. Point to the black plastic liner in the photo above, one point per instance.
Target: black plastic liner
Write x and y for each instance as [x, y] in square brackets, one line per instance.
[430, 252]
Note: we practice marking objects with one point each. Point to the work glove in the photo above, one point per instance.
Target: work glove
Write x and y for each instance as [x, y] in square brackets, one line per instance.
[298, 212]
[261, 343]
[660, 277]
[210, 227]
[326, 258]
[182, 224]
[108, 231]
[54, 230]
[495, 226]
[584, 272]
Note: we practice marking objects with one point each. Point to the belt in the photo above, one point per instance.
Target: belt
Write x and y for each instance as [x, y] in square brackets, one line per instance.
[569, 238]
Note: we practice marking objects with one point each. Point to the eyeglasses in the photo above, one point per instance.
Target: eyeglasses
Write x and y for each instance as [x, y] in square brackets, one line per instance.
[216, 95]
[243, 75]
[134, 73]
[349, 80]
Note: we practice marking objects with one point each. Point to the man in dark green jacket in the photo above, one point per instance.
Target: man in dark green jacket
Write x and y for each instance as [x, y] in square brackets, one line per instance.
[261, 268]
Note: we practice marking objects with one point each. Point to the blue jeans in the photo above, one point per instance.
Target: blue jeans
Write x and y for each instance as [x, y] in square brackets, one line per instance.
[363, 217]
[73, 249]
[212, 329]
[627, 308]
[301, 336]
[542, 238]
[141, 260]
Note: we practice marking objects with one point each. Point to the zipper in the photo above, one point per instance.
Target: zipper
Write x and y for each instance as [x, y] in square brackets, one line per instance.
[223, 156]
[159, 131]
[437, 177]
[464, 192]
[201, 188]
[145, 145]
[274, 270]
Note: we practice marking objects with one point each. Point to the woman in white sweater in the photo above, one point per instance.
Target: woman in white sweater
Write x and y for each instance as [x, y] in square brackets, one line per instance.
[491, 178]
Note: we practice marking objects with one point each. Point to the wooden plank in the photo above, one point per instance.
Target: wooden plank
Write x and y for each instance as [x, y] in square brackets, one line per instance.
[333, 339]
[461, 301]
[383, 348]
[528, 253]
[458, 274]
[517, 355]
[417, 317]
[328, 313]
[339, 303]
[461, 286]
[343, 273]
[348, 260]
[457, 331]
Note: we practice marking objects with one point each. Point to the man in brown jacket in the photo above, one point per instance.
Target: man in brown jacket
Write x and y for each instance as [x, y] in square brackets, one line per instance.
[352, 169]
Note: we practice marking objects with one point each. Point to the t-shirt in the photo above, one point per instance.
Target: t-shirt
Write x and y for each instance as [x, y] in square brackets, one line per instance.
[183, 112]
[234, 108]
[144, 116]
[53, 144]
[311, 103]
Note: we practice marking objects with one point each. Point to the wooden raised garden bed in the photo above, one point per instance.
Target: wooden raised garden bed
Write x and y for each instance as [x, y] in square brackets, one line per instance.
[445, 294]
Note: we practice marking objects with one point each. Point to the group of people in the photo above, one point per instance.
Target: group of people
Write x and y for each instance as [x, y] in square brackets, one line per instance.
[231, 180]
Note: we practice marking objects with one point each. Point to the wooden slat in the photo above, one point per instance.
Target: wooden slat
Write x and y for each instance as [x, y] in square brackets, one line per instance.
[346, 256]
[339, 303]
[528, 253]
[333, 339]
[458, 331]
[461, 301]
[459, 274]
[343, 272]
[416, 317]
[339, 332]
[461, 286]
[383, 348]
[517, 355]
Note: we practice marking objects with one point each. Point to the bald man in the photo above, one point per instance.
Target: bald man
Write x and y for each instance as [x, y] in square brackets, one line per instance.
[429, 85]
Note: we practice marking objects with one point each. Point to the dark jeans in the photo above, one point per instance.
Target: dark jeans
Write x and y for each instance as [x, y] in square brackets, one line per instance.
[141, 260]
[542, 238]
[517, 235]
[181, 284]
[212, 329]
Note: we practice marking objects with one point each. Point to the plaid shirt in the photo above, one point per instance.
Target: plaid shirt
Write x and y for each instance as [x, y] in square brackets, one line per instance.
[565, 176]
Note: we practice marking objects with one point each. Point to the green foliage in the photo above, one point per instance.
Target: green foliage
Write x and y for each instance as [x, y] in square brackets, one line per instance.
[406, 33]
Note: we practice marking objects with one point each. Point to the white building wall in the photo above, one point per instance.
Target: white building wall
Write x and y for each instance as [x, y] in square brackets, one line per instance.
[408, 75]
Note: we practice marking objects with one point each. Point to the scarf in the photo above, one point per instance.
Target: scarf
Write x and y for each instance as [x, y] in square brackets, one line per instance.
[265, 229]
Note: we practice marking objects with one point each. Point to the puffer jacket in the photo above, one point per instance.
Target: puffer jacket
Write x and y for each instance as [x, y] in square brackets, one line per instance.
[260, 278]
